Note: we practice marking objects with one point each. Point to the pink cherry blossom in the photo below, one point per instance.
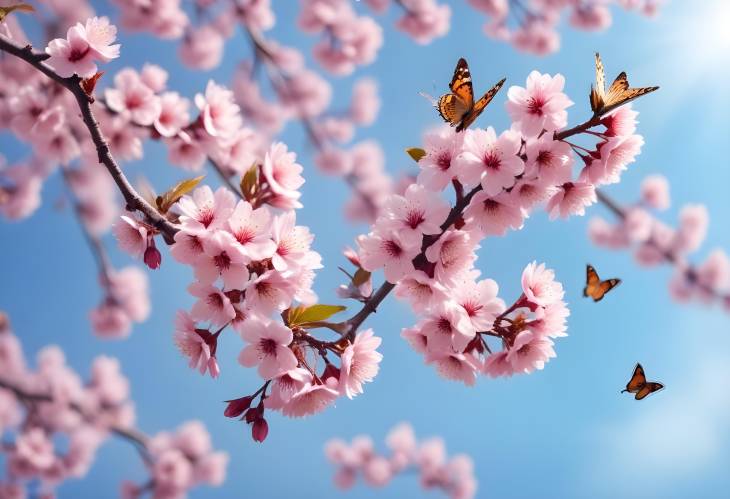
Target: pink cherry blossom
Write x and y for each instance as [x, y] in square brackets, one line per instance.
[193, 345]
[359, 363]
[448, 329]
[455, 366]
[212, 305]
[479, 301]
[219, 114]
[424, 20]
[205, 210]
[84, 45]
[202, 48]
[311, 399]
[420, 290]
[271, 291]
[539, 285]
[414, 214]
[438, 167]
[268, 348]
[571, 198]
[131, 98]
[489, 160]
[224, 258]
[283, 176]
[550, 160]
[493, 216]
[530, 352]
[173, 114]
[365, 103]
[453, 253]
[291, 242]
[251, 229]
[540, 106]
[655, 192]
[389, 252]
[131, 236]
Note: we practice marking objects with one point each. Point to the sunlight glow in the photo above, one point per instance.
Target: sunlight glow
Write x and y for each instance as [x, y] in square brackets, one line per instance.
[708, 35]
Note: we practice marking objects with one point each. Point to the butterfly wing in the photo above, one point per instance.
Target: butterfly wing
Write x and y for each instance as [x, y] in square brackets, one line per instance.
[592, 281]
[648, 389]
[454, 106]
[603, 288]
[598, 93]
[637, 381]
[621, 92]
[475, 111]
[451, 109]
[461, 85]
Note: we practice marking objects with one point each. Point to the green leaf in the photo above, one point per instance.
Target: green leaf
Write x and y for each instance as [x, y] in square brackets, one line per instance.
[361, 277]
[23, 7]
[249, 182]
[173, 195]
[416, 153]
[304, 315]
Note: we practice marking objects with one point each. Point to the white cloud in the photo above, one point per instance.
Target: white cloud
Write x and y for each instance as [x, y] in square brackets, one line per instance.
[672, 437]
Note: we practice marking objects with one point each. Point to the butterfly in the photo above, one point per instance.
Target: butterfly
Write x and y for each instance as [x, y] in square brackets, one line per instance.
[595, 288]
[458, 108]
[638, 384]
[619, 93]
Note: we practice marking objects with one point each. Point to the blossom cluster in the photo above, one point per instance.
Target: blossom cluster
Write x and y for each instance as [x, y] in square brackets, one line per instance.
[351, 40]
[37, 406]
[179, 461]
[454, 476]
[532, 27]
[653, 242]
[428, 250]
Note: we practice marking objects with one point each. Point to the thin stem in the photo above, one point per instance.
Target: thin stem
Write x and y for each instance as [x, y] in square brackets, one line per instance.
[690, 272]
[134, 436]
[134, 201]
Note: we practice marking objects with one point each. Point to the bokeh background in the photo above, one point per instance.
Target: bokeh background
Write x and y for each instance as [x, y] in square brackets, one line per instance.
[564, 432]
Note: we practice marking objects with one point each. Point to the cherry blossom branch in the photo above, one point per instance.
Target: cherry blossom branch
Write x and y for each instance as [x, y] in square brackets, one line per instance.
[133, 200]
[94, 243]
[690, 272]
[260, 48]
[132, 435]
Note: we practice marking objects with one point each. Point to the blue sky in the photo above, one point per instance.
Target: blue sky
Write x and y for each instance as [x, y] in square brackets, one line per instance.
[564, 432]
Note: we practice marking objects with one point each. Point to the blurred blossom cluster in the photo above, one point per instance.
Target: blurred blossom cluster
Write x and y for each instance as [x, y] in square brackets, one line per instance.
[453, 476]
[654, 242]
[42, 407]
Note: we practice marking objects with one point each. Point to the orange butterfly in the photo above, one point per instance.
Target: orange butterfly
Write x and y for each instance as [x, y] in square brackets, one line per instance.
[619, 93]
[595, 288]
[458, 108]
[640, 386]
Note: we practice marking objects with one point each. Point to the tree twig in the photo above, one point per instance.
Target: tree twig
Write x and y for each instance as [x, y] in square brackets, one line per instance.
[133, 200]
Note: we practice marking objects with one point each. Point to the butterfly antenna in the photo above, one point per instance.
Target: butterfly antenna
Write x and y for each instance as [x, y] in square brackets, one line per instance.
[429, 98]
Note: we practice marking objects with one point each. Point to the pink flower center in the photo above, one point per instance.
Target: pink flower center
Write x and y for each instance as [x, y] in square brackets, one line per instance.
[76, 54]
[392, 248]
[414, 218]
[491, 206]
[133, 101]
[545, 158]
[215, 300]
[535, 105]
[471, 308]
[222, 261]
[267, 346]
[492, 161]
[195, 244]
[444, 161]
[443, 325]
[245, 235]
[284, 248]
[524, 350]
[264, 288]
[206, 217]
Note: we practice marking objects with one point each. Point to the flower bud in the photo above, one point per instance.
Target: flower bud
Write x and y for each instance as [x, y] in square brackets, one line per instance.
[152, 256]
[260, 430]
[236, 407]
